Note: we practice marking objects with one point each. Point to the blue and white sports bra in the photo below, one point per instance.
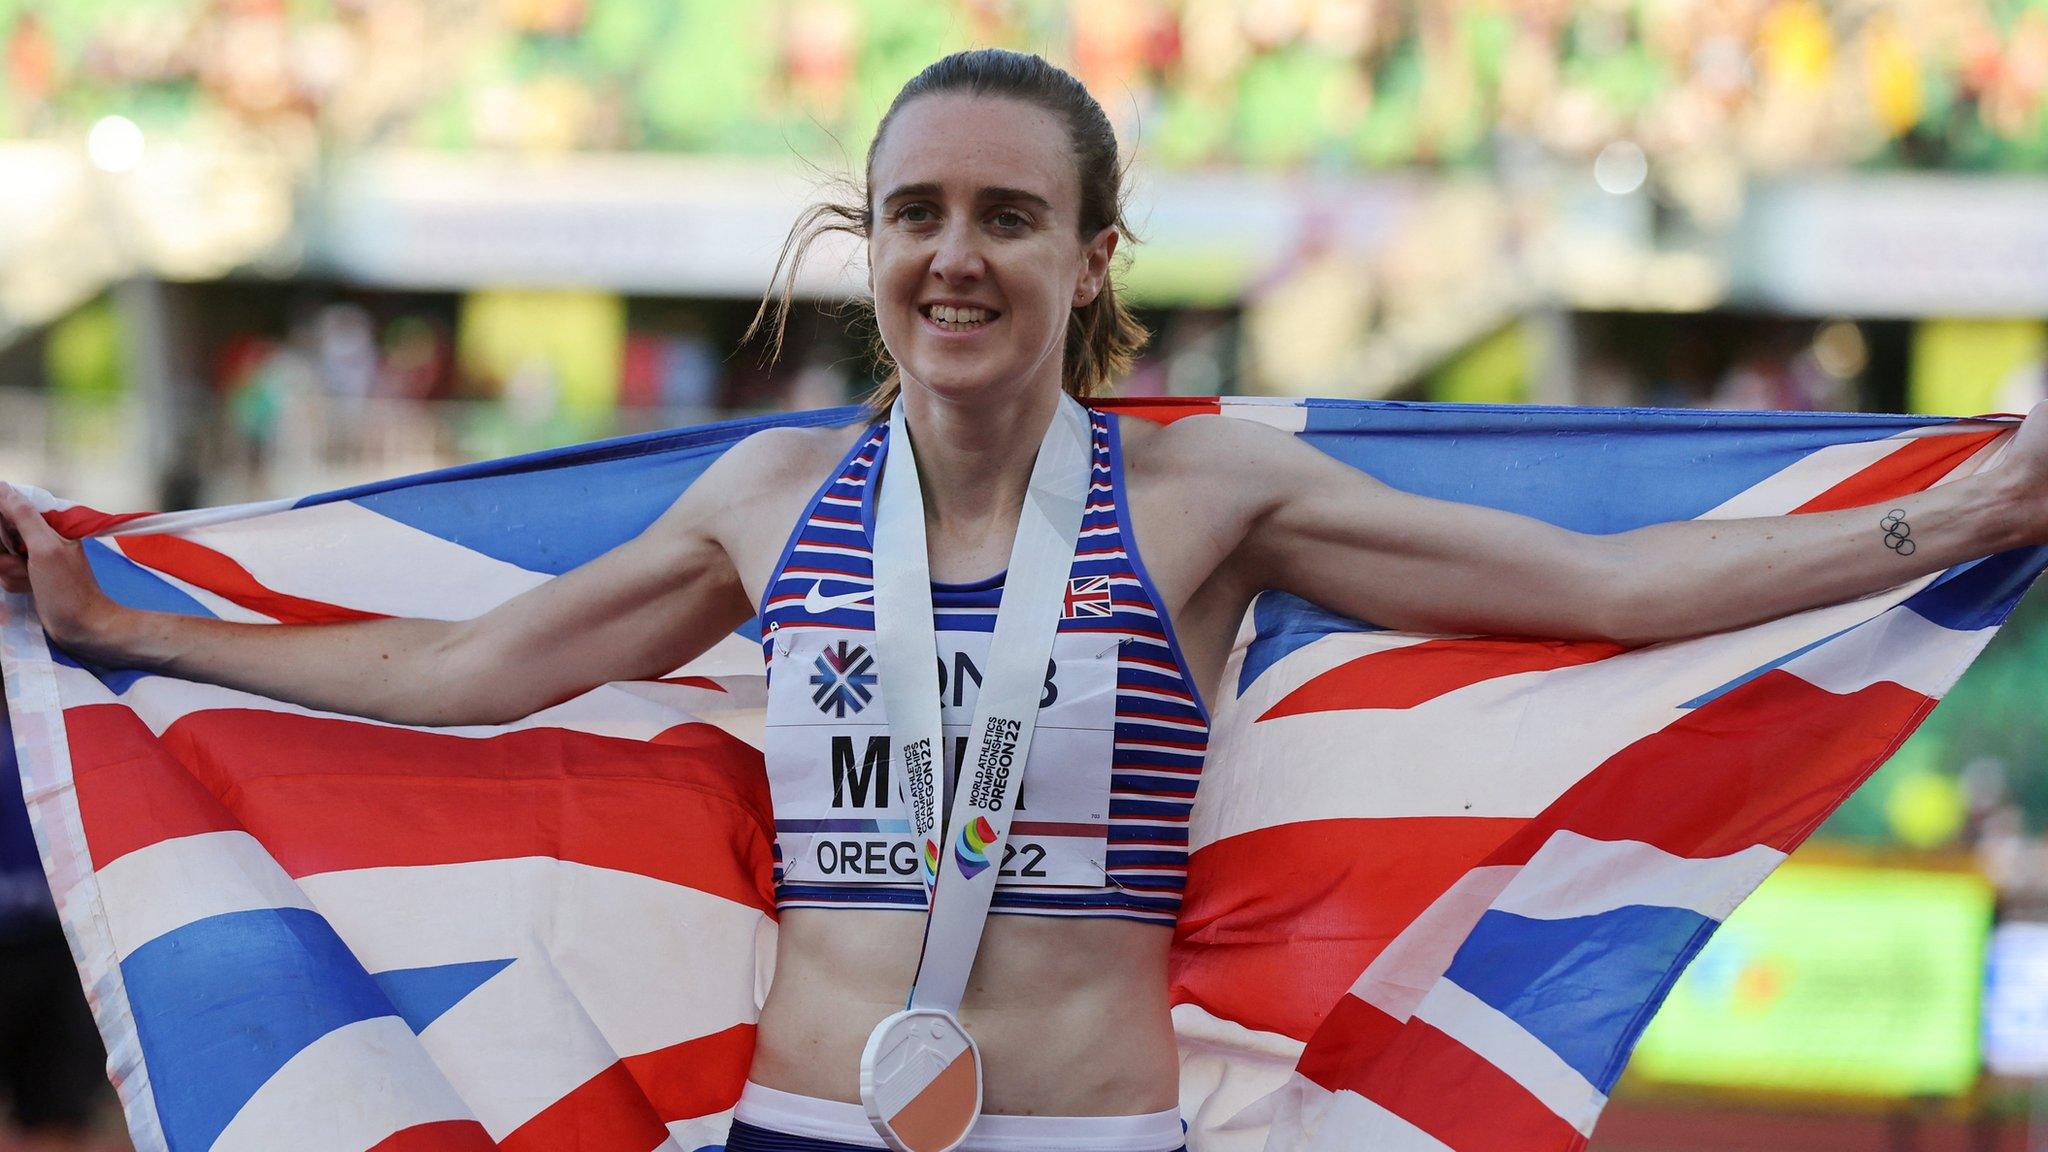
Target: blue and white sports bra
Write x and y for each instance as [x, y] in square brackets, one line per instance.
[1102, 826]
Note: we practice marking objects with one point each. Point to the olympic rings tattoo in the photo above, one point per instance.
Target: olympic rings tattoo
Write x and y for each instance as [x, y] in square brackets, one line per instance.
[1897, 532]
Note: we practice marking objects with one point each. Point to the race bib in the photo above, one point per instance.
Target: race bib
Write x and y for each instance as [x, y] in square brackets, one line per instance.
[840, 818]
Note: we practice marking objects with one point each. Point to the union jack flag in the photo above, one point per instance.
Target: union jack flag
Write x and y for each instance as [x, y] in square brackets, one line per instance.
[1086, 596]
[1438, 883]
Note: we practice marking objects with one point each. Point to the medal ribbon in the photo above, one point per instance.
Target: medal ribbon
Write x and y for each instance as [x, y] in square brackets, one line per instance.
[963, 856]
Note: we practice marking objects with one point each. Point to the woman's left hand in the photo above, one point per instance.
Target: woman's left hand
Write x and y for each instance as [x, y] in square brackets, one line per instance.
[2024, 468]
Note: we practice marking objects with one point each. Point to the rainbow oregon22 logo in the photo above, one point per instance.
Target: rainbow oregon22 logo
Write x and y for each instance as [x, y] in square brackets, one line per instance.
[973, 848]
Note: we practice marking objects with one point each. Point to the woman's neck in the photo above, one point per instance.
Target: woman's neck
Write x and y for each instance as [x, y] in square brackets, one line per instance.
[974, 457]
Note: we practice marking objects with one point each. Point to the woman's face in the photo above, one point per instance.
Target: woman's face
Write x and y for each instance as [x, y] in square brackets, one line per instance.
[977, 205]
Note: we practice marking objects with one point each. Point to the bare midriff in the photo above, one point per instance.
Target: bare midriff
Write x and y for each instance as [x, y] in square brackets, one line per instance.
[1071, 1014]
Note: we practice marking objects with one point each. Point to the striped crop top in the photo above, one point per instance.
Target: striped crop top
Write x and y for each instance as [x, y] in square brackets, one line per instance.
[1101, 827]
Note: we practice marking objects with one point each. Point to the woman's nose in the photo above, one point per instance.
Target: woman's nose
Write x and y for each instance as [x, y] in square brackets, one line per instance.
[959, 254]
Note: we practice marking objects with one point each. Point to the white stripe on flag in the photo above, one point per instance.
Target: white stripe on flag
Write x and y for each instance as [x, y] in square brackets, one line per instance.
[1506, 746]
[521, 1041]
[183, 522]
[1823, 468]
[344, 1092]
[1901, 646]
[172, 883]
[602, 945]
[699, 1133]
[1805, 478]
[1284, 413]
[640, 712]
[34, 705]
[343, 553]
[1228, 1072]
[1574, 875]
[1508, 1046]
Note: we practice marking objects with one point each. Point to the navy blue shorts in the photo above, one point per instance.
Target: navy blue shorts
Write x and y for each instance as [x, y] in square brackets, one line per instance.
[747, 1138]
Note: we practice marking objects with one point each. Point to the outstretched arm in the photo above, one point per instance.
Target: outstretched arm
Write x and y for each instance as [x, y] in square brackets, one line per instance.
[1333, 535]
[637, 611]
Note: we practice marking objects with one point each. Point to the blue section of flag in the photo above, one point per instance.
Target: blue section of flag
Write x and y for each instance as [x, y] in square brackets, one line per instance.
[1586, 986]
[131, 584]
[1982, 593]
[422, 994]
[1285, 624]
[117, 680]
[221, 1003]
[551, 511]
[1560, 464]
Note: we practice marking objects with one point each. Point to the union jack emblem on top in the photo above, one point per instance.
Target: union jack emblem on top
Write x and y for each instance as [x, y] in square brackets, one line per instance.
[845, 679]
[1086, 596]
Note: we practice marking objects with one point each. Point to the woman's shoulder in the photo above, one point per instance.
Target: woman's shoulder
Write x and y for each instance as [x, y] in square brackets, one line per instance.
[790, 457]
[1201, 445]
[762, 484]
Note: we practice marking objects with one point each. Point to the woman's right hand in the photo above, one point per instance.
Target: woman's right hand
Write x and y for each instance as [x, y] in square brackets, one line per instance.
[35, 558]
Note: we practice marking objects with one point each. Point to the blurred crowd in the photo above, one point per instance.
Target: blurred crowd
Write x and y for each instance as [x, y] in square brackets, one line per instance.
[1348, 83]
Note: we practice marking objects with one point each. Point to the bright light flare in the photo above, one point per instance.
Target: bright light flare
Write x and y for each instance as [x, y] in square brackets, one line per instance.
[114, 144]
[1621, 168]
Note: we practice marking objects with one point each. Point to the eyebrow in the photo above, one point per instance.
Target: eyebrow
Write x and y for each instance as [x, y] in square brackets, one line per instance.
[991, 192]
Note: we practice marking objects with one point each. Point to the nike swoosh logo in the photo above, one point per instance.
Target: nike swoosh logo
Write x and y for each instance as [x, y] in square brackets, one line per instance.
[816, 603]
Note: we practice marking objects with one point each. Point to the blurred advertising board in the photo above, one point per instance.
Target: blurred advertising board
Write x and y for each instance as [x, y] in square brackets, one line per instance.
[1833, 979]
[2016, 1001]
[1970, 367]
[1900, 245]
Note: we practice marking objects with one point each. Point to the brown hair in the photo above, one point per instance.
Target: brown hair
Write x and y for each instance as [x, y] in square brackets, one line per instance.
[1103, 338]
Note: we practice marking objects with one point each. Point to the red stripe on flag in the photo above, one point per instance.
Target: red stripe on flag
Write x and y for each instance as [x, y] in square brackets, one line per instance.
[606, 1113]
[1435, 1083]
[697, 1077]
[1914, 468]
[704, 682]
[131, 791]
[440, 1136]
[1277, 923]
[1160, 409]
[1351, 1036]
[1761, 764]
[224, 577]
[689, 807]
[1418, 673]
[78, 520]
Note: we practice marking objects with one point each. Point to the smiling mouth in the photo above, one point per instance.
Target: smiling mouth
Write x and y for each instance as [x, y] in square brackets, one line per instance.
[954, 323]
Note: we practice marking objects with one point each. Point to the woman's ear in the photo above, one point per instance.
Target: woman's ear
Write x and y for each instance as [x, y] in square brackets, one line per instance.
[1095, 271]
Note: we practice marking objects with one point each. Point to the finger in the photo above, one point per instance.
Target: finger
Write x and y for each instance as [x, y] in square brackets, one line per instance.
[20, 518]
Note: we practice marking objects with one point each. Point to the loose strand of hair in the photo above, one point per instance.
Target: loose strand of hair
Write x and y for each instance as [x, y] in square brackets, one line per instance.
[811, 225]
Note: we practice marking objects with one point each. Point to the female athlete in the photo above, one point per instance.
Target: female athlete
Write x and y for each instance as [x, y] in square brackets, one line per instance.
[991, 206]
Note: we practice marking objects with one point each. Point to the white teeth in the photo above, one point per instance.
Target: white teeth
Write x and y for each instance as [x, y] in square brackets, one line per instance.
[946, 314]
